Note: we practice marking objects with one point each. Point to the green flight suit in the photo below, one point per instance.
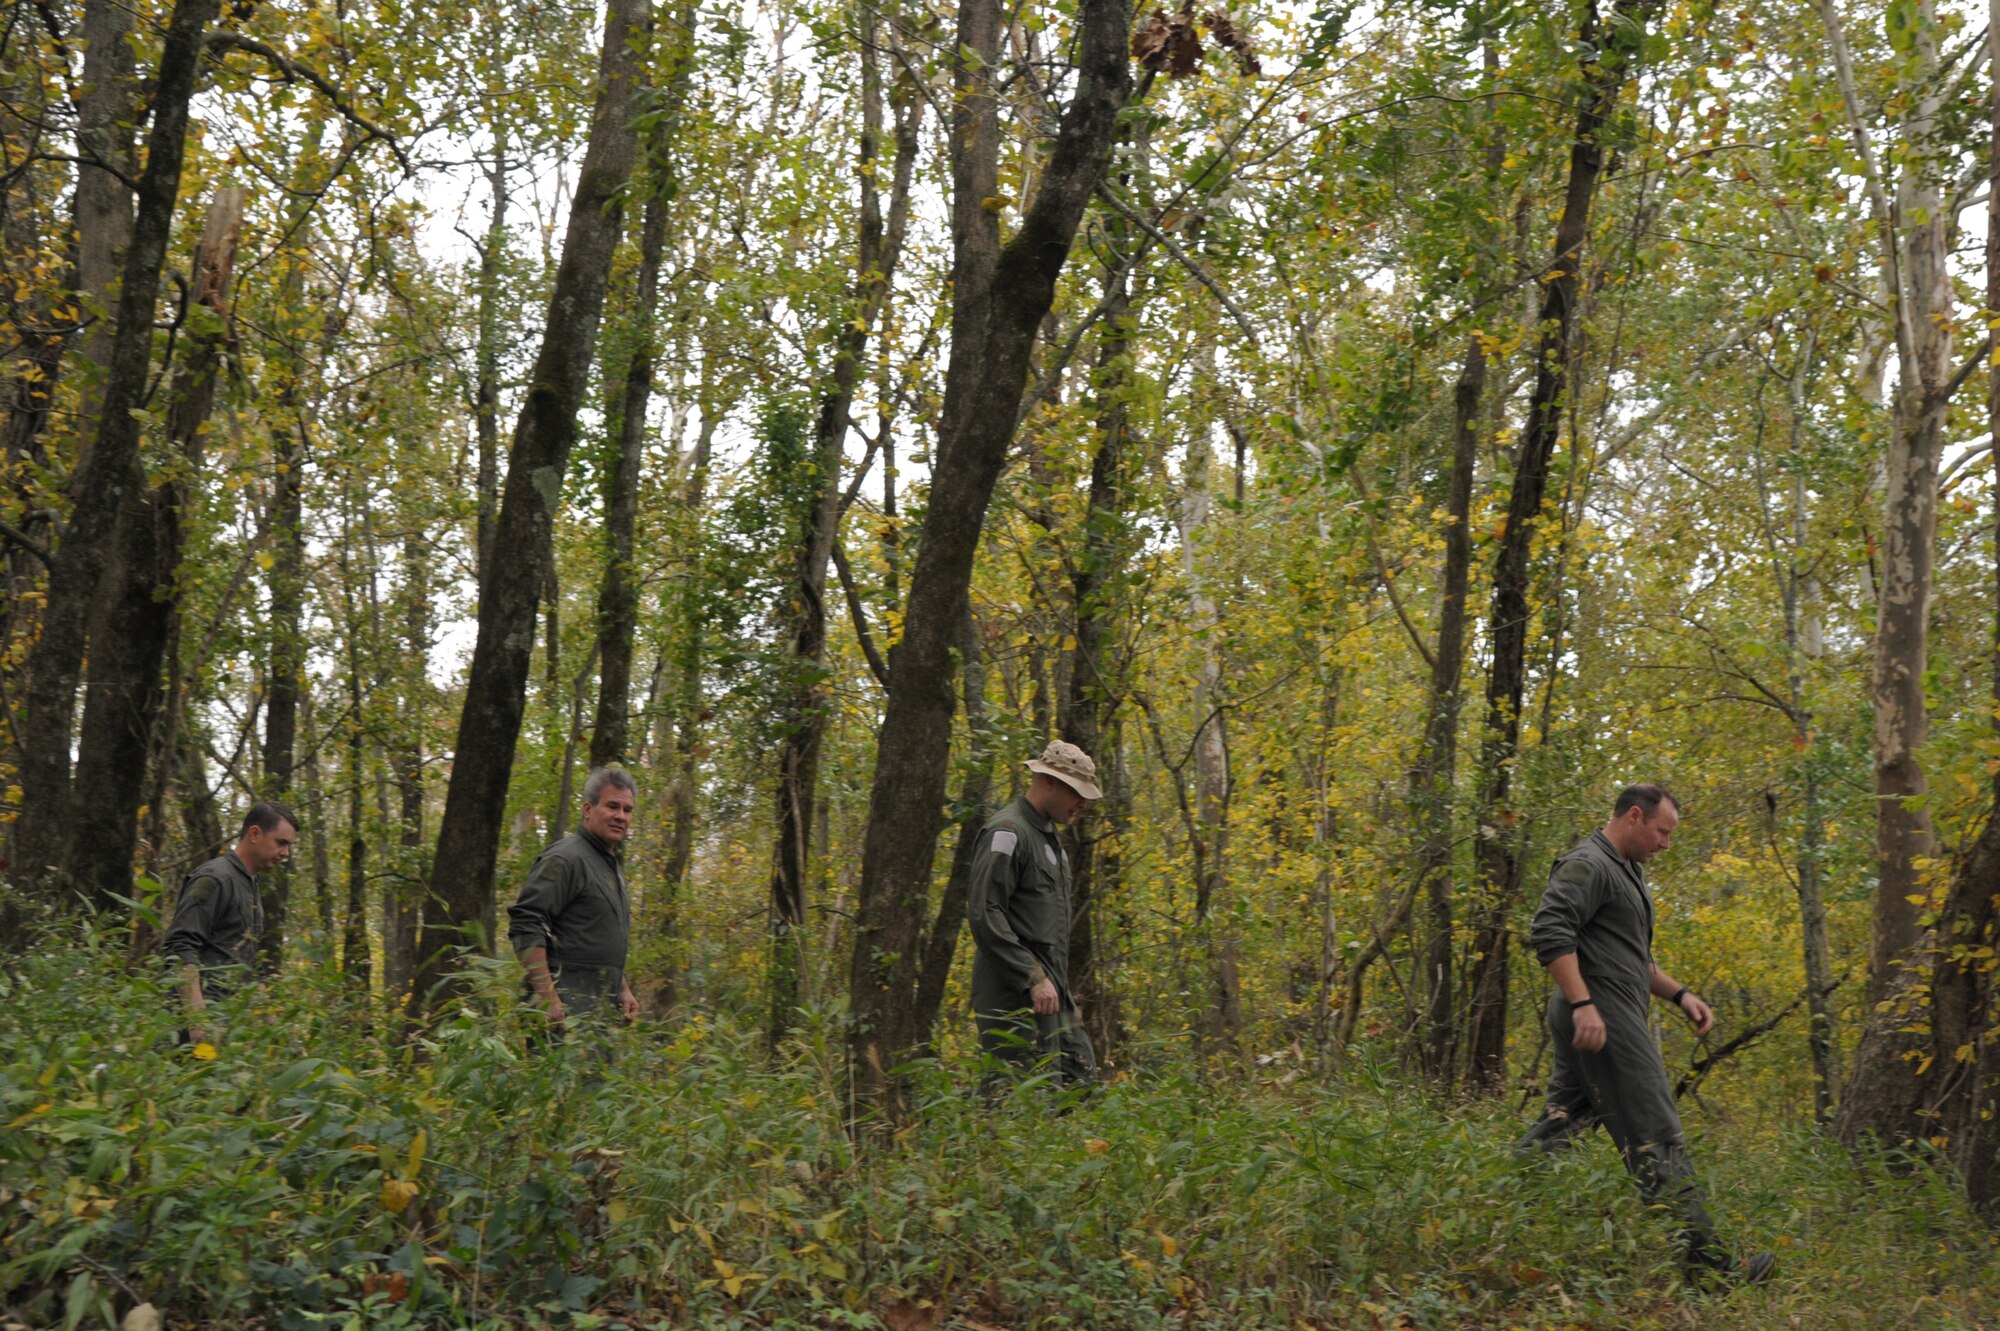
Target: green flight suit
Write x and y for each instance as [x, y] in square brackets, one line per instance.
[575, 904]
[1018, 906]
[1597, 906]
[217, 918]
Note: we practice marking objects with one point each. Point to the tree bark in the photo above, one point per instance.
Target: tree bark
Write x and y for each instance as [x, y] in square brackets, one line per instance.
[1883, 1098]
[108, 482]
[1434, 774]
[1095, 688]
[490, 724]
[878, 246]
[187, 426]
[975, 806]
[108, 111]
[1608, 53]
[1000, 295]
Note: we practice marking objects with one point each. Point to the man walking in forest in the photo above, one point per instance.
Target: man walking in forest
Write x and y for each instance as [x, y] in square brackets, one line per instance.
[1018, 904]
[572, 921]
[218, 916]
[1594, 933]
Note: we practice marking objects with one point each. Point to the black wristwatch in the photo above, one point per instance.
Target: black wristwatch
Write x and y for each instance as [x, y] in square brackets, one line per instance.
[1676, 999]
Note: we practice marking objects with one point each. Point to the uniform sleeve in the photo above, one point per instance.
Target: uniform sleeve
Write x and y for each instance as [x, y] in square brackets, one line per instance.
[196, 916]
[1568, 904]
[551, 884]
[994, 877]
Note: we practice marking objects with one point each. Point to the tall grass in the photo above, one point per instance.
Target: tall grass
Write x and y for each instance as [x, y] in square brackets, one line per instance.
[318, 1172]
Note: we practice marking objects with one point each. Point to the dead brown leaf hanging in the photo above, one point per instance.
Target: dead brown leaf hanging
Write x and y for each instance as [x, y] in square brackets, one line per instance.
[1228, 35]
[1168, 43]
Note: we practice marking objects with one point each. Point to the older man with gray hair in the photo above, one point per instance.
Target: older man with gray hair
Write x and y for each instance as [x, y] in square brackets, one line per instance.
[572, 922]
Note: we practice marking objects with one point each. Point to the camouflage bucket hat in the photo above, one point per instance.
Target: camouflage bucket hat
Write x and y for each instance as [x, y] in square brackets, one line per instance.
[1069, 765]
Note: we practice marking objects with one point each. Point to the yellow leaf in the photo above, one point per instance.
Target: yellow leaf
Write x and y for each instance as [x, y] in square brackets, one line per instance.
[1096, 1145]
[205, 1052]
[618, 1210]
[1917, 899]
[413, 1164]
[1169, 1245]
[397, 1194]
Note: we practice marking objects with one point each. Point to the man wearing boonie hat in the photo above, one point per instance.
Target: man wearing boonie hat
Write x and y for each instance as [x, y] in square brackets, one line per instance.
[1018, 904]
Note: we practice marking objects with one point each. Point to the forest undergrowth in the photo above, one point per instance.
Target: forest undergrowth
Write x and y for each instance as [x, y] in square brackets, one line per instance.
[315, 1171]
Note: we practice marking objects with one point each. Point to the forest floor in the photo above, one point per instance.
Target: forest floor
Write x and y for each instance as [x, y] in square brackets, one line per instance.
[313, 1173]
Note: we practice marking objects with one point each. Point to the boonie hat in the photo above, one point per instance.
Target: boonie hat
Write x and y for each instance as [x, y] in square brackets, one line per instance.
[1069, 765]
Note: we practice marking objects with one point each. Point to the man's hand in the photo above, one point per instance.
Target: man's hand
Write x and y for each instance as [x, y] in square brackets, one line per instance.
[1045, 998]
[552, 1007]
[1590, 1034]
[628, 1002]
[1699, 1014]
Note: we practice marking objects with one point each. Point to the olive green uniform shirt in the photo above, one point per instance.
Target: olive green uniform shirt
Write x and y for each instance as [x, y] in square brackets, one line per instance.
[1018, 907]
[576, 905]
[215, 924]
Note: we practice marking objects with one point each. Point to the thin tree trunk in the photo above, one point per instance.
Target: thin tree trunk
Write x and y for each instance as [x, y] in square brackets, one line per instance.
[1804, 640]
[1883, 1098]
[354, 958]
[1609, 52]
[1000, 295]
[975, 806]
[318, 834]
[106, 479]
[486, 391]
[403, 904]
[1223, 1017]
[683, 722]
[877, 249]
[1094, 687]
[1433, 777]
[107, 114]
[495, 694]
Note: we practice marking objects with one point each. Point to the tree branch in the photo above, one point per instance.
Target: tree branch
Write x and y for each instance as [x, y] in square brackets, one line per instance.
[1185, 260]
[28, 543]
[295, 72]
[876, 665]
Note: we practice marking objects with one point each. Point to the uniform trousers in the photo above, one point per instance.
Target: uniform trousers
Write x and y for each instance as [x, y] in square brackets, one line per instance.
[1624, 1087]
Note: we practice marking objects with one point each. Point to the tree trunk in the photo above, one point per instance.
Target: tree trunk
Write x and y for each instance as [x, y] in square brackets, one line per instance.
[187, 426]
[1095, 687]
[683, 722]
[108, 112]
[975, 806]
[109, 477]
[1210, 830]
[617, 595]
[486, 391]
[403, 903]
[1000, 295]
[877, 249]
[1883, 1098]
[1608, 53]
[495, 694]
[1433, 776]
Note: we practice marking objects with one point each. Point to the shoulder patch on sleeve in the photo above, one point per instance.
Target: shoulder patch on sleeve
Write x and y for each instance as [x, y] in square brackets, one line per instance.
[1003, 841]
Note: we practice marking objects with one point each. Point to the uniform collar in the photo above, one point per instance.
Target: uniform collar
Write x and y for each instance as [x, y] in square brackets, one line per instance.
[591, 839]
[1632, 867]
[237, 860]
[1041, 821]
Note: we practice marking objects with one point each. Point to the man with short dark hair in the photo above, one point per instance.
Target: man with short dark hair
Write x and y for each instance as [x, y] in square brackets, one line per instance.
[571, 924]
[1594, 933]
[217, 917]
[1018, 905]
